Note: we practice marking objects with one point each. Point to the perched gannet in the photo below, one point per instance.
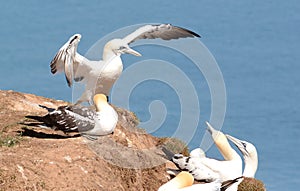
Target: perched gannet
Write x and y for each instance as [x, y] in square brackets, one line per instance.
[249, 154]
[85, 120]
[212, 186]
[194, 165]
[231, 167]
[184, 182]
[99, 76]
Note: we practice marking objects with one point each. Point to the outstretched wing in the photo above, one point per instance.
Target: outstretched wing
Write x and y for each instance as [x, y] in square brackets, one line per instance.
[163, 31]
[67, 59]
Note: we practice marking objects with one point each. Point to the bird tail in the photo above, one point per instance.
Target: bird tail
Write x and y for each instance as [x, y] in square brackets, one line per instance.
[226, 184]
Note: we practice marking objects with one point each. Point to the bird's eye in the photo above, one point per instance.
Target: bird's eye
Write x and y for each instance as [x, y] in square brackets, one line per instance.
[244, 144]
[122, 47]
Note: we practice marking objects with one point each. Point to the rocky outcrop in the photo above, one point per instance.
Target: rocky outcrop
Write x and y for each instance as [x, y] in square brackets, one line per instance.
[34, 158]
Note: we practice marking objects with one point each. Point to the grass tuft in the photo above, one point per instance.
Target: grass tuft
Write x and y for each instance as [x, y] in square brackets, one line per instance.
[251, 184]
[174, 145]
[9, 141]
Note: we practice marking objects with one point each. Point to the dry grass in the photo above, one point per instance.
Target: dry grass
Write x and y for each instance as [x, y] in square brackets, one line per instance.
[174, 145]
[251, 184]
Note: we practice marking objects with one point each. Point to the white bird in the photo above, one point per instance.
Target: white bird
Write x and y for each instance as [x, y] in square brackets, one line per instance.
[85, 120]
[194, 165]
[99, 76]
[198, 152]
[208, 169]
[249, 154]
[212, 186]
[184, 182]
[231, 167]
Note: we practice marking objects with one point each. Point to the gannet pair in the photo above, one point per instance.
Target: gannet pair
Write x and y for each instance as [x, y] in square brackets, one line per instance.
[184, 182]
[247, 149]
[208, 169]
[85, 120]
[99, 76]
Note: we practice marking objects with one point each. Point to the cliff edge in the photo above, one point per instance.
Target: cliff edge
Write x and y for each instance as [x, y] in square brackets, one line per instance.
[35, 158]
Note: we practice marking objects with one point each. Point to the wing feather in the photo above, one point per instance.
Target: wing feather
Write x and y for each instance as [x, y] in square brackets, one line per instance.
[65, 58]
[163, 31]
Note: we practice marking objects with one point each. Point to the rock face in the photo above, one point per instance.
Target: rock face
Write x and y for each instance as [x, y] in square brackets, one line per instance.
[34, 158]
[43, 159]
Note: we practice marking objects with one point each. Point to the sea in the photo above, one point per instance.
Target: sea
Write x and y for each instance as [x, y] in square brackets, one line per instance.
[242, 75]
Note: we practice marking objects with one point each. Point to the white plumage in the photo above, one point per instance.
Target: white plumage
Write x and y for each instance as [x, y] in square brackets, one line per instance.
[86, 120]
[249, 154]
[209, 169]
[99, 76]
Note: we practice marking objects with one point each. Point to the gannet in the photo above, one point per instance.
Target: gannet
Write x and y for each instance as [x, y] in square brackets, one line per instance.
[194, 165]
[231, 167]
[184, 182]
[212, 186]
[208, 169]
[99, 76]
[85, 120]
[249, 154]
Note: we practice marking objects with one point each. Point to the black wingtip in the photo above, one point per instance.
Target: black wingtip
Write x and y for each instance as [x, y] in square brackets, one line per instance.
[53, 67]
[74, 38]
[228, 183]
[193, 33]
[69, 82]
[189, 31]
[48, 108]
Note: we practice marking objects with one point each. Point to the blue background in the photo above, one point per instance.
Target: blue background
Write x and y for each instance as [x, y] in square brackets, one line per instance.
[256, 44]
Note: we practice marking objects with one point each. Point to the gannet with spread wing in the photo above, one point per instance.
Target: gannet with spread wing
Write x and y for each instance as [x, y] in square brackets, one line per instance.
[99, 76]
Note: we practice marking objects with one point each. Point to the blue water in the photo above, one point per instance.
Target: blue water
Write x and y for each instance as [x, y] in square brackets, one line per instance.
[256, 45]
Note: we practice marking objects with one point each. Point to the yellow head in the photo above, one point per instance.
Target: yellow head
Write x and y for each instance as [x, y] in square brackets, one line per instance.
[183, 179]
[99, 101]
[221, 142]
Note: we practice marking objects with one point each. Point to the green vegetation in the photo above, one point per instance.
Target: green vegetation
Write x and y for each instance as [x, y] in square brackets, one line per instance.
[9, 141]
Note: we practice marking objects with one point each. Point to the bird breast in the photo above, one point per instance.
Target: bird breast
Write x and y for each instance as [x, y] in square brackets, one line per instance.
[112, 68]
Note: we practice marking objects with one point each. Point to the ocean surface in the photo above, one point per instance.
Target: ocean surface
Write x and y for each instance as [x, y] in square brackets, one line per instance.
[255, 45]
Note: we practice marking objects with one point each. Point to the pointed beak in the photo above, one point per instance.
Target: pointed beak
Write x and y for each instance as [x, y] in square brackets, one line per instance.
[210, 128]
[133, 52]
[237, 142]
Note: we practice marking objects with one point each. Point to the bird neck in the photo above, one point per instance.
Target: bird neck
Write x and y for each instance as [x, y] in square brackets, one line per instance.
[250, 167]
[101, 106]
[224, 147]
[108, 54]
